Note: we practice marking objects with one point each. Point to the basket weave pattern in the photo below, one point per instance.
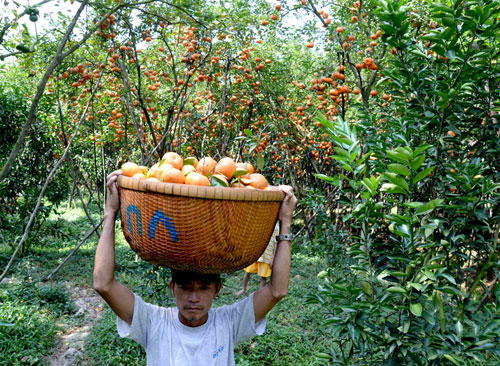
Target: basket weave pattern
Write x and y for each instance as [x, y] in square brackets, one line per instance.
[200, 229]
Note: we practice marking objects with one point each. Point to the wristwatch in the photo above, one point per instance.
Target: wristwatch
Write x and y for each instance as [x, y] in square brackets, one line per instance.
[288, 237]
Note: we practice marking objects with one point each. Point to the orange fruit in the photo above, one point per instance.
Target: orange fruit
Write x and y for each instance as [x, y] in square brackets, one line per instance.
[238, 185]
[258, 181]
[172, 175]
[226, 166]
[154, 171]
[186, 169]
[174, 159]
[206, 165]
[164, 166]
[140, 176]
[130, 169]
[197, 179]
[153, 179]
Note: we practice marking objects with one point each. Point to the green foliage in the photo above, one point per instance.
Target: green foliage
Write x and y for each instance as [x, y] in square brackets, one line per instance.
[399, 289]
[19, 191]
[54, 298]
[27, 326]
[424, 206]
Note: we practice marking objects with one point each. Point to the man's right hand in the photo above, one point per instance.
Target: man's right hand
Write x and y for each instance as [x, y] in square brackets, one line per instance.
[113, 199]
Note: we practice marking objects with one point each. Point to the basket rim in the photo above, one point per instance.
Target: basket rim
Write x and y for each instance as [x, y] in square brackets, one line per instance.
[187, 190]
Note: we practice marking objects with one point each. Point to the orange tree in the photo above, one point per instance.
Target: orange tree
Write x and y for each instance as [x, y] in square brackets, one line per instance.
[195, 81]
[180, 85]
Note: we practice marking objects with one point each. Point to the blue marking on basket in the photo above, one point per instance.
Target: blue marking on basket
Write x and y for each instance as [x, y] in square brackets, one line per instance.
[158, 217]
[134, 209]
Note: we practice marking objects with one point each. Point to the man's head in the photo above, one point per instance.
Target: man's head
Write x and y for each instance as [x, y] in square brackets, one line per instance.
[194, 294]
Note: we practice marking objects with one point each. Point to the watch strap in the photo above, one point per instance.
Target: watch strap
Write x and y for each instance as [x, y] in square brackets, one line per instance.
[288, 237]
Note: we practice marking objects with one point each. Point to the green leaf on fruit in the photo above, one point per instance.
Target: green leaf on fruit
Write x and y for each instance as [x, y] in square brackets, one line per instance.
[189, 160]
[239, 172]
[217, 182]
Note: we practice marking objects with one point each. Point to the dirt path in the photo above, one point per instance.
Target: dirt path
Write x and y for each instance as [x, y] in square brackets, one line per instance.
[70, 344]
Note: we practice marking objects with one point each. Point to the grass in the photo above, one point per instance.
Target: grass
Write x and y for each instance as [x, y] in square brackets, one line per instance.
[33, 313]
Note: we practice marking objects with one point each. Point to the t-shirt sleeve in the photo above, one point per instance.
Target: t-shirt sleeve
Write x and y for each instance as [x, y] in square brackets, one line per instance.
[243, 319]
[139, 328]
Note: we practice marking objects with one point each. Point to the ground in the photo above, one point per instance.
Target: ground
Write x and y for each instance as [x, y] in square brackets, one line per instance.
[70, 342]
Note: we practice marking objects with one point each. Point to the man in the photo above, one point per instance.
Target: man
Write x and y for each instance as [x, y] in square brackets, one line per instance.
[192, 333]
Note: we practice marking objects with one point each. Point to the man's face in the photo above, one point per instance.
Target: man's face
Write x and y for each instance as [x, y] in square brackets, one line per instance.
[194, 299]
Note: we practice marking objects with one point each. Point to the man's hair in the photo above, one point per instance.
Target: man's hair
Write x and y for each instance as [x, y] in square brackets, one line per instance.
[185, 277]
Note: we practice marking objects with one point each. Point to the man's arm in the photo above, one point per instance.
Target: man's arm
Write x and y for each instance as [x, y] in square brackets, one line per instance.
[118, 297]
[265, 298]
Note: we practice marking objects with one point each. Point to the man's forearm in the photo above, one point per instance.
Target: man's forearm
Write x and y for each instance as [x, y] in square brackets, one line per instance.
[104, 265]
[280, 276]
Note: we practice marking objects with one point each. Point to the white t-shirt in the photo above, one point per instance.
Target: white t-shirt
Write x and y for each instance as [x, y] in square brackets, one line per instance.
[168, 342]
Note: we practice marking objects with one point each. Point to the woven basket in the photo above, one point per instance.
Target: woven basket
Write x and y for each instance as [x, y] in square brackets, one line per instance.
[195, 228]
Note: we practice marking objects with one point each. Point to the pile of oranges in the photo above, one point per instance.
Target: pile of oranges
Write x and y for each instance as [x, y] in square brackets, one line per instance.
[172, 168]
